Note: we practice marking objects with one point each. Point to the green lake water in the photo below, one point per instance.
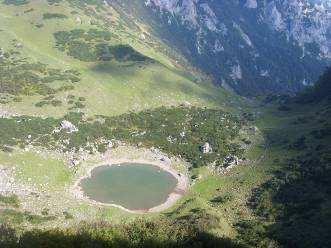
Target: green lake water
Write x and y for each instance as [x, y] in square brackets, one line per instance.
[133, 186]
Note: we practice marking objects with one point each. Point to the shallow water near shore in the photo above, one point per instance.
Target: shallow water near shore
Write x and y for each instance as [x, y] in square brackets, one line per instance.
[130, 185]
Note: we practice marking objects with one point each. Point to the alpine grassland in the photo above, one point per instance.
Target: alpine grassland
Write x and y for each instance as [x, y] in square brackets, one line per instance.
[81, 84]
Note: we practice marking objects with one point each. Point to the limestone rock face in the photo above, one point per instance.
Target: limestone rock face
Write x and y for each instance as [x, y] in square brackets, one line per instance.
[254, 46]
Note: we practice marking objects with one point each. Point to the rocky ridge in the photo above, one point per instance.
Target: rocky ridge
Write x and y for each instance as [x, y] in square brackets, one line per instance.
[253, 46]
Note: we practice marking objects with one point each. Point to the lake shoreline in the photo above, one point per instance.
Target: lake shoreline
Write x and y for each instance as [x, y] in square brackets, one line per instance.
[108, 160]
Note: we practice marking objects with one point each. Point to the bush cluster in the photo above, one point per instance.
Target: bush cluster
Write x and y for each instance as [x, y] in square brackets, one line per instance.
[93, 45]
[48, 16]
[20, 77]
[175, 131]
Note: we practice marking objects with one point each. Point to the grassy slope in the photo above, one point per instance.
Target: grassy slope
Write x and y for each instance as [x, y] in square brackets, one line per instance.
[109, 89]
[112, 90]
[235, 186]
[268, 155]
[47, 176]
[31, 167]
[301, 121]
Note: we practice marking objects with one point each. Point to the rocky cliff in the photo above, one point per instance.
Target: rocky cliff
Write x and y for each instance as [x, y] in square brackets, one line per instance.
[255, 46]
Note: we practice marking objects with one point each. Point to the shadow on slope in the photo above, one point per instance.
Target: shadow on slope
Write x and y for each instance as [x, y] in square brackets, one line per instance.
[159, 234]
[294, 207]
[160, 82]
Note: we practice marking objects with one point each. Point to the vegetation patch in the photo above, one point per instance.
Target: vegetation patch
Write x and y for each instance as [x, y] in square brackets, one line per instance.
[175, 131]
[93, 45]
[51, 2]
[221, 199]
[297, 200]
[15, 217]
[140, 233]
[293, 207]
[53, 102]
[20, 77]
[9, 201]
[320, 91]
[48, 16]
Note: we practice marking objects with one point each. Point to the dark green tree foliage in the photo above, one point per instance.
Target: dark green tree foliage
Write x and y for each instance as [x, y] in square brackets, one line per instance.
[8, 236]
[82, 51]
[294, 206]
[176, 131]
[320, 91]
[180, 132]
[48, 16]
[16, 217]
[92, 45]
[253, 234]
[15, 131]
[298, 200]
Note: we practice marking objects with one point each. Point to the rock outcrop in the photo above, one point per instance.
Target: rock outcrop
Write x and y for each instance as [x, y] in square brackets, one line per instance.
[206, 148]
[254, 46]
[68, 126]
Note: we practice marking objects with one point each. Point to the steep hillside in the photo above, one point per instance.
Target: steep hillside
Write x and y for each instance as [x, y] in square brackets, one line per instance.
[115, 70]
[84, 84]
[79, 81]
[279, 196]
[253, 46]
[321, 91]
[293, 206]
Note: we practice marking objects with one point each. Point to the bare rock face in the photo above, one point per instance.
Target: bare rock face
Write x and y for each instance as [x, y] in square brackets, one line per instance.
[254, 46]
[230, 161]
[251, 4]
[306, 22]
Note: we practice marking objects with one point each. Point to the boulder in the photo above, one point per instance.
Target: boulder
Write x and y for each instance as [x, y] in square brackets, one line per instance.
[67, 125]
[206, 148]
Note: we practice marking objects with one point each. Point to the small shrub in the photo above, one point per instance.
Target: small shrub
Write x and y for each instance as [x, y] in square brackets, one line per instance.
[11, 200]
[221, 199]
[67, 215]
[48, 16]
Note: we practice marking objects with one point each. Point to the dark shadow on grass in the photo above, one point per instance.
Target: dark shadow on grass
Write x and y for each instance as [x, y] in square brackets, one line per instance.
[157, 74]
[297, 200]
[137, 235]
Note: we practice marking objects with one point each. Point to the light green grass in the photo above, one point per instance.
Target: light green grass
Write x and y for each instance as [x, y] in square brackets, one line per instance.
[109, 88]
[40, 171]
